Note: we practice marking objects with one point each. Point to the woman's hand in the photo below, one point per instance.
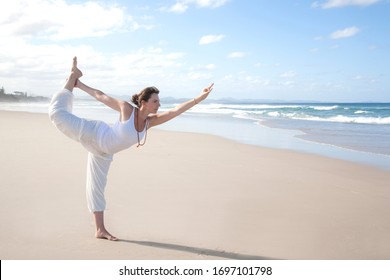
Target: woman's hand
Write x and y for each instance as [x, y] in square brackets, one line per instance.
[204, 94]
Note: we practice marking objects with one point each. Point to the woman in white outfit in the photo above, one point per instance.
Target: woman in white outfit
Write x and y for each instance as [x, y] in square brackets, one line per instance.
[102, 140]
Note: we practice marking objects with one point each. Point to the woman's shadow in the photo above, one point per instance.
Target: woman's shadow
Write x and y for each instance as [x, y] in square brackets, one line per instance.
[198, 251]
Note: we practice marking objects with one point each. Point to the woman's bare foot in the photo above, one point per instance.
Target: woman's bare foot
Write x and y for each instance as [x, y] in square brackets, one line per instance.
[101, 231]
[104, 234]
[76, 71]
[74, 76]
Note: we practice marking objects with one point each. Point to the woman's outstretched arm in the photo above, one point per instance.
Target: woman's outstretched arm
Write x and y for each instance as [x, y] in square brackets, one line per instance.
[161, 118]
[109, 101]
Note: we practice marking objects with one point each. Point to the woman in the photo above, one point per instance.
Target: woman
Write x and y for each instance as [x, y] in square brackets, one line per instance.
[102, 140]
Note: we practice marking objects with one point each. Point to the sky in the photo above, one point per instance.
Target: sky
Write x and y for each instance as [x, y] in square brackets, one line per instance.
[326, 50]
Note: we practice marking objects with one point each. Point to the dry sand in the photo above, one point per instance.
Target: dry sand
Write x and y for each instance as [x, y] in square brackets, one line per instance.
[186, 196]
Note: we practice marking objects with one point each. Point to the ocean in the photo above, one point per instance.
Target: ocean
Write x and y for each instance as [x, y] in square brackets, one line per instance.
[358, 132]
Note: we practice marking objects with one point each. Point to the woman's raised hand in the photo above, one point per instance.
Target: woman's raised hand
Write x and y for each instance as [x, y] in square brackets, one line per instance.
[206, 91]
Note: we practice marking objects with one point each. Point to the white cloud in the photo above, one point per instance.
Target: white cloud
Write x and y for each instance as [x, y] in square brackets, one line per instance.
[364, 78]
[148, 58]
[58, 20]
[208, 39]
[210, 3]
[242, 80]
[32, 59]
[210, 66]
[179, 7]
[343, 3]
[201, 72]
[261, 64]
[182, 6]
[237, 55]
[288, 74]
[203, 67]
[199, 76]
[42, 69]
[137, 69]
[344, 33]
[289, 83]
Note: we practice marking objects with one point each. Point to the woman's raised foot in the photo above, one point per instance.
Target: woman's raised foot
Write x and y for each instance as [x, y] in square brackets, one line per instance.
[76, 71]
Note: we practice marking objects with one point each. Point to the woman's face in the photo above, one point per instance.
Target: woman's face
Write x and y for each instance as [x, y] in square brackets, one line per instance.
[153, 103]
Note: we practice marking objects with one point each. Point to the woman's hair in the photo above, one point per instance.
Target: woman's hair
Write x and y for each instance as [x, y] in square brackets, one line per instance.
[145, 94]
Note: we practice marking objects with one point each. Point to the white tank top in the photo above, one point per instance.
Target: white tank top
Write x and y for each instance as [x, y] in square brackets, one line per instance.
[120, 136]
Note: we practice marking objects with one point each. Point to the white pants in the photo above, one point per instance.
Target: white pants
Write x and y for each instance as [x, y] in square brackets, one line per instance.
[85, 132]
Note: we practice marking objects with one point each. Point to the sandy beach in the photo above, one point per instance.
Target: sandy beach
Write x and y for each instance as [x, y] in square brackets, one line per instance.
[195, 197]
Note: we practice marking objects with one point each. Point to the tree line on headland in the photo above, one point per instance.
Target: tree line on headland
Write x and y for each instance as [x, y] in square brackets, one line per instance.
[19, 96]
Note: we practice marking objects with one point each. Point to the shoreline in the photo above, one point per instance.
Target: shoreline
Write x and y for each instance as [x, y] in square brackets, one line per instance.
[279, 134]
[187, 196]
[265, 136]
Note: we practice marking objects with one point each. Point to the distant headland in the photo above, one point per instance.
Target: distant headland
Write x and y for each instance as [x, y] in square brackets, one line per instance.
[19, 96]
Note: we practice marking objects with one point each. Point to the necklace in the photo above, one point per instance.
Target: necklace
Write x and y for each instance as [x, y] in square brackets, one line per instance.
[146, 131]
